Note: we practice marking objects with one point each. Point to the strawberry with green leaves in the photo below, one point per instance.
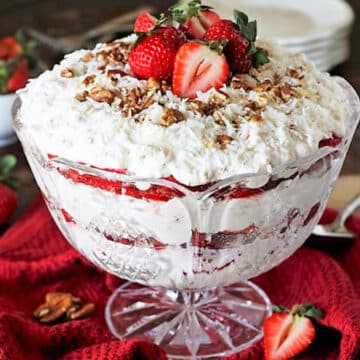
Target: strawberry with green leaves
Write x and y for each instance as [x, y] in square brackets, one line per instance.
[154, 53]
[289, 332]
[8, 182]
[17, 57]
[241, 51]
[194, 18]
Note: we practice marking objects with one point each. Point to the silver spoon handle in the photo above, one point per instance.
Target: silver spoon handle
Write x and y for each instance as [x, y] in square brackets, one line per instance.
[349, 210]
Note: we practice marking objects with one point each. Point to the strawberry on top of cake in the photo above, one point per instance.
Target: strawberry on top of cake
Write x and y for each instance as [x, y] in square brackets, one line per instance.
[200, 101]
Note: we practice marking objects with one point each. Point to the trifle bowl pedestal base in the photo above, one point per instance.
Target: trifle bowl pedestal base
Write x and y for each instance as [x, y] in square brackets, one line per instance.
[190, 324]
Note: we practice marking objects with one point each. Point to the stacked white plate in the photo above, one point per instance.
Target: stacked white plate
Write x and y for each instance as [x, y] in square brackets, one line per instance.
[318, 28]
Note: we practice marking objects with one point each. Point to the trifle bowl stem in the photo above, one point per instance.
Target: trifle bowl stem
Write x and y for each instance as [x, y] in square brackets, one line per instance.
[190, 324]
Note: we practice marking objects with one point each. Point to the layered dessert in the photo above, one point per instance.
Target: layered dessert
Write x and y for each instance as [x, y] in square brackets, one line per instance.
[185, 156]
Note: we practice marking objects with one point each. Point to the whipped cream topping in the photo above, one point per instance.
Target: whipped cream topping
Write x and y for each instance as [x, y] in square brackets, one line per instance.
[91, 109]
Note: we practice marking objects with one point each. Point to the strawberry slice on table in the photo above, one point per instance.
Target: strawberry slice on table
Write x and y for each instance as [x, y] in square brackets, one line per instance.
[289, 332]
[19, 78]
[241, 51]
[155, 52]
[8, 197]
[144, 22]
[199, 66]
[194, 18]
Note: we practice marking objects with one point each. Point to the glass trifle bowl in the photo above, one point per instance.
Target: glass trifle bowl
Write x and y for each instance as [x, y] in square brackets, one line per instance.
[188, 252]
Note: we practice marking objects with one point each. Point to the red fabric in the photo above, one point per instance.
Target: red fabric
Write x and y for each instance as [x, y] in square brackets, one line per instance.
[35, 259]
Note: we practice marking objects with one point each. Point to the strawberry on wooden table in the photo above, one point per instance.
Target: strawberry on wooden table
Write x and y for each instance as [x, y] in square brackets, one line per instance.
[194, 18]
[8, 197]
[154, 54]
[199, 66]
[289, 332]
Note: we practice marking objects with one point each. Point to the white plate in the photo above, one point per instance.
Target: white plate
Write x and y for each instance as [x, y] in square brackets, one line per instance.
[292, 21]
[331, 61]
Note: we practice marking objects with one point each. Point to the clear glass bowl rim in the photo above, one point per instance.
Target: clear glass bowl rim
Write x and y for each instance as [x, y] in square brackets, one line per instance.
[354, 103]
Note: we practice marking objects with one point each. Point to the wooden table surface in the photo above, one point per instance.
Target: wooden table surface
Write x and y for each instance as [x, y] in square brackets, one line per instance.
[69, 17]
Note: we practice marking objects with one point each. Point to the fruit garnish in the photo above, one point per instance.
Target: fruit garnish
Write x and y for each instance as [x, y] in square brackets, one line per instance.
[194, 18]
[9, 48]
[237, 47]
[18, 56]
[249, 31]
[8, 197]
[144, 22]
[19, 78]
[155, 52]
[289, 332]
[241, 50]
[199, 66]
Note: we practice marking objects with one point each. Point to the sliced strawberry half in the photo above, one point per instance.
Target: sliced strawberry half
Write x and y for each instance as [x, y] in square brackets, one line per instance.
[144, 22]
[199, 66]
[289, 332]
[194, 18]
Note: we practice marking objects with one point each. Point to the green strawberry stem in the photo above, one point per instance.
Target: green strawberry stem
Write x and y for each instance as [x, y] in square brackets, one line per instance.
[215, 45]
[182, 12]
[7, 163]
[249, 31]
[307, 309]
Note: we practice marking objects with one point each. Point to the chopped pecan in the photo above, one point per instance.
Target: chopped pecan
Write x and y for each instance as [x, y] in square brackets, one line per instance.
[264, 86]
[295, 73]
[252, 105]
[87, 57]
[61, 306]
[224, 140]
[82, 96]
[261, 100]
[171, 116]
[113, 72]
[218, 118]
[89, 80]
[243, 81]
[67, 73]
[101, 94]
[256, 118]
[81, 312]
[152, 84]
[285, 92]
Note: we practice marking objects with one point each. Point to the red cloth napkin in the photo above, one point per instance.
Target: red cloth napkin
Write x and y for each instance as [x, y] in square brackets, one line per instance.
[35, 259]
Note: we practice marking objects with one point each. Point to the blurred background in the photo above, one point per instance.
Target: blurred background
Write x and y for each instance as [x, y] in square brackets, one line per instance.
[334, 44]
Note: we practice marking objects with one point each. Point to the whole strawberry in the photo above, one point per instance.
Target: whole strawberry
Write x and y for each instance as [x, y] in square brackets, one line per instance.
[155, 52]
[289, 332]
[194, 18]
[241, 51]
[8, 197]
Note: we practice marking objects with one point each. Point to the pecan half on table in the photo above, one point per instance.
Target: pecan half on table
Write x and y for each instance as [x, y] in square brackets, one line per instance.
[62, 307]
